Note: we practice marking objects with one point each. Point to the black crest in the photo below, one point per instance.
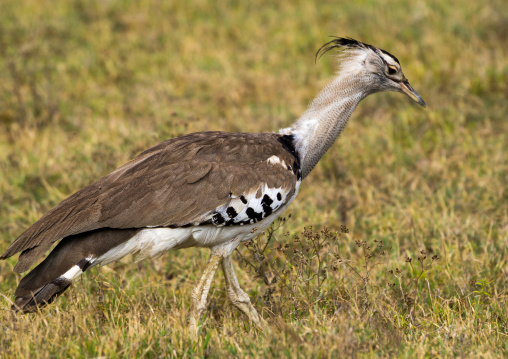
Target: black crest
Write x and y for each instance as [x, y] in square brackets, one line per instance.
[348, 43]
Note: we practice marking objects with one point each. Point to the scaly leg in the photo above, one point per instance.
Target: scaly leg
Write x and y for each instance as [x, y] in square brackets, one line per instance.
[200, 293]
[238, 297]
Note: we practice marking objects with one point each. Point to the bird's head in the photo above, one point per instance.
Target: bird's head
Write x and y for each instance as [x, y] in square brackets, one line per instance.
[380, 68]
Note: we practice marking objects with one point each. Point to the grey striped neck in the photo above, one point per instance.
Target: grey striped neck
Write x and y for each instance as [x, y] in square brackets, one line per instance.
[318, 128]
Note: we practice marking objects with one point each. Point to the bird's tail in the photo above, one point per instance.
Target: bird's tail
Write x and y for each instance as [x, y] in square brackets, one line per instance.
[70, 258]
[29, 302]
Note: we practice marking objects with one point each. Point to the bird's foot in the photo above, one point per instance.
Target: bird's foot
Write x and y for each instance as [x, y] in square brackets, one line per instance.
[248, 309]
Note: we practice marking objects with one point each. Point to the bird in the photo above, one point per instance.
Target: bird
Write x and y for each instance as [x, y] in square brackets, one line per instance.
[206, 189]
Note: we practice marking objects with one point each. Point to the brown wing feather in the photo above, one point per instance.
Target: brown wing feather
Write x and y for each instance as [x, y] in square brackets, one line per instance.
[178, 182]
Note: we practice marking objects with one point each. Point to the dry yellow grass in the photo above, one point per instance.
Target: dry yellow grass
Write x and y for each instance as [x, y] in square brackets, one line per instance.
[86, 85]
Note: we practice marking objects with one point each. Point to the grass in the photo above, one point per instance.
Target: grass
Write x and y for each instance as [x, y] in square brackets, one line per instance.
[86, 85]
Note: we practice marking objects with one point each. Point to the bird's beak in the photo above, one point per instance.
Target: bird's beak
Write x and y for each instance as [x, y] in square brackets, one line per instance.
[408, 90]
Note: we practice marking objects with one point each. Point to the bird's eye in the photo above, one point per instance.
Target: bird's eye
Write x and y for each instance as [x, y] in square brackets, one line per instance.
[392, 70]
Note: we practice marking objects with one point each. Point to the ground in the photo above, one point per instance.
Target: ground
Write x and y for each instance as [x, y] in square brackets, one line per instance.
[419, 266]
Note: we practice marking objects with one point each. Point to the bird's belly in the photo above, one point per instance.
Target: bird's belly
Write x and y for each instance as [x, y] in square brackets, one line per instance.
[210, 236]
[149, 242]
[223, 240]
[153, 242]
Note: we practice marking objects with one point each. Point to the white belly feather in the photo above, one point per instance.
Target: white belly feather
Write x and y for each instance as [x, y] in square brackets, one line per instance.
[222, 240]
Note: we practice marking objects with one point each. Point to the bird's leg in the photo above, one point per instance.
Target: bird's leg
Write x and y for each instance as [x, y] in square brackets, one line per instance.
[200, 293]
[237, 296]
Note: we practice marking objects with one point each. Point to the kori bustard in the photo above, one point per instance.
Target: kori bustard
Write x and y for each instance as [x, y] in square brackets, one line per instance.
[207, 189]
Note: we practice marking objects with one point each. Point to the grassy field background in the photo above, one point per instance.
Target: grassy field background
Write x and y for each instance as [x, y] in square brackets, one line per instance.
[87, 85]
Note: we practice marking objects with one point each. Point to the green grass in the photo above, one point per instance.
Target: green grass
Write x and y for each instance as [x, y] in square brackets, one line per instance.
[86, 85]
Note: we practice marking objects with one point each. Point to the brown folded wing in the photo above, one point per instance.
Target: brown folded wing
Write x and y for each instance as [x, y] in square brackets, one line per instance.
[182, 181]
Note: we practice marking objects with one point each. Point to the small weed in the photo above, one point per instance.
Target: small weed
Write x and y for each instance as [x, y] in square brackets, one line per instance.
[305, 270]
[295, 270]
[481, 294]
[405, 287]
[363, 271]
